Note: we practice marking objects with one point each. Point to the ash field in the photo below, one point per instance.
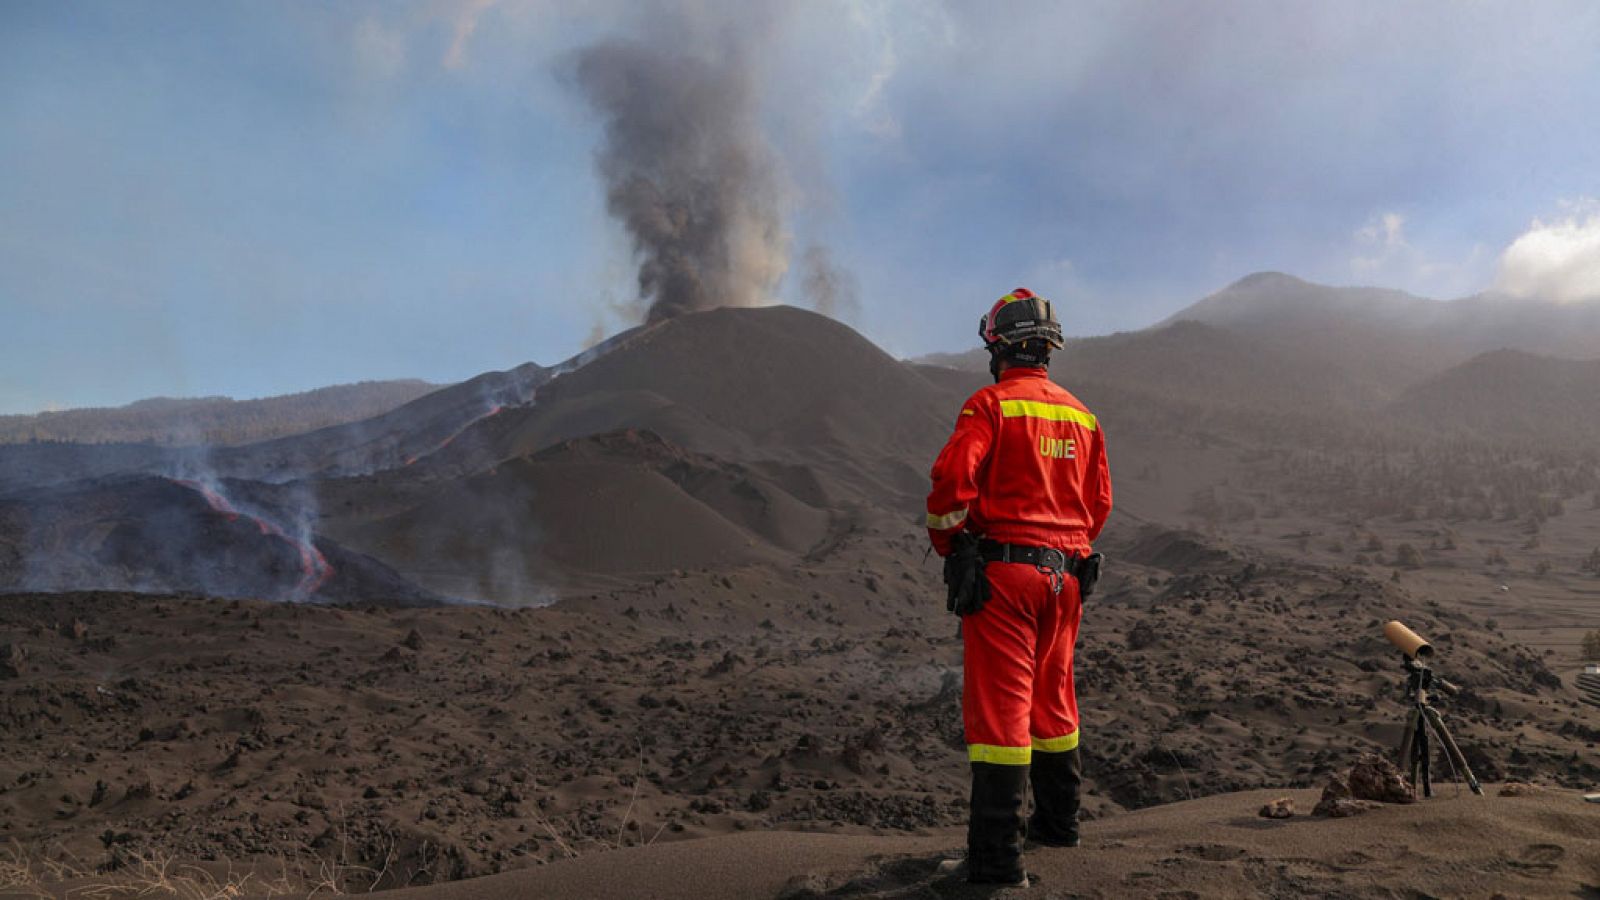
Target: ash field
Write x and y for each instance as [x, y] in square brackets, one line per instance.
[658, 607]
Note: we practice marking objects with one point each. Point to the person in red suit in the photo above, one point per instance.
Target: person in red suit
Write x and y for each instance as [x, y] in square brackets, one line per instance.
[1020, 493]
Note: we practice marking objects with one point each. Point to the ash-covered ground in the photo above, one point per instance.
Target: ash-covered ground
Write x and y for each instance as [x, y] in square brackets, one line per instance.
[406, 746]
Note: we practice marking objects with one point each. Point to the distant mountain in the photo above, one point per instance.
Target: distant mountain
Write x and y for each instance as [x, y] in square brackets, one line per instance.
[1509, 395]
[215, 421]
[394, 438]
[1388, 340]
[1190, 361]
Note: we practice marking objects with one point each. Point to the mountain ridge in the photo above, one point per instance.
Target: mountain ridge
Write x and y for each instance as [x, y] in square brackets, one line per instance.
[214, 420]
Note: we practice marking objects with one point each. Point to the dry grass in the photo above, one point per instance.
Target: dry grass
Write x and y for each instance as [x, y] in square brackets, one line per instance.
[67, 877]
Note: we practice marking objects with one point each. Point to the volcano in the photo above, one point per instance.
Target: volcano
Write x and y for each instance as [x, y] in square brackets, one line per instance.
[728, 437]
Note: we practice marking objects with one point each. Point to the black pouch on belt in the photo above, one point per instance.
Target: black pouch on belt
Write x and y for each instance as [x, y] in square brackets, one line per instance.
[966, 586]
[1088, 571]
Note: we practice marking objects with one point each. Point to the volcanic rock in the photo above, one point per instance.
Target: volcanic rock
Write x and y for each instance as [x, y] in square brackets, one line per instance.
[1372, 781]
[13, 660]
[1281, 808]
[1375, 778]
[1337, 803]
[1141, 636]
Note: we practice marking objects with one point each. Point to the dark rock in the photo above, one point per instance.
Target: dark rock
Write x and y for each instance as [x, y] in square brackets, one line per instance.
[1281, 808]
[13, 661]
[413, 640]
[1141, 636]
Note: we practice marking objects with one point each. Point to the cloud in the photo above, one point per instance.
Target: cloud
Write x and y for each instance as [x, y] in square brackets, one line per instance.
[380, 50]
[465, 25]
[1557, 260]
[1386, 253]
[1379, 242]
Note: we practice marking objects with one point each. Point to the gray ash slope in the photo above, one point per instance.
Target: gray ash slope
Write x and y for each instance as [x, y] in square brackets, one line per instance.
[717, 438]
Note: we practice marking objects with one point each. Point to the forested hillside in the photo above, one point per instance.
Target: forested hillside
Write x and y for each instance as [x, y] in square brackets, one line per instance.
[214, 420]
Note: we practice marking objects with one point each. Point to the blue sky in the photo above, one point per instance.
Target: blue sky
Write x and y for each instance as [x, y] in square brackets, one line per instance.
[256, 198]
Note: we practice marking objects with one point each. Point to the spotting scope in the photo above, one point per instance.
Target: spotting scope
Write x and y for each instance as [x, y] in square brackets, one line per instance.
[1423, 722]
[1407, 641]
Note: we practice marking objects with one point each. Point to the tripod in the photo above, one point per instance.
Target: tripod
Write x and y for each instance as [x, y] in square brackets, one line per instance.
[1415, 753]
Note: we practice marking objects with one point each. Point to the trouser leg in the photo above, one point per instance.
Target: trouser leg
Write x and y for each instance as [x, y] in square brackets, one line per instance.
[999, 643]
[1057, 770]
[1057, 791]
[994, 832]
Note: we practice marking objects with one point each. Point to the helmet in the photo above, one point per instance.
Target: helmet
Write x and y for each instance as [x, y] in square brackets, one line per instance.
[1017, 317]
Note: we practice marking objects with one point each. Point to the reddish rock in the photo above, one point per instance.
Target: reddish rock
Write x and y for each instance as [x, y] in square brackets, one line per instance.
[1281, 808]
[1374, 777]
[1373, 780]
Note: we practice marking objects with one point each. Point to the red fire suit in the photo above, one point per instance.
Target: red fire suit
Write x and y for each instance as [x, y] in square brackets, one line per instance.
[1026, 465]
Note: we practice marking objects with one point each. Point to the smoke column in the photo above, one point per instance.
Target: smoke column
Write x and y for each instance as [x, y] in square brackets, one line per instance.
[686, 167]
[830, 289]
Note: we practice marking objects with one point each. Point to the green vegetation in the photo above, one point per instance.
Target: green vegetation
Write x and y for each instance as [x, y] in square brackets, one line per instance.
[1591, 645]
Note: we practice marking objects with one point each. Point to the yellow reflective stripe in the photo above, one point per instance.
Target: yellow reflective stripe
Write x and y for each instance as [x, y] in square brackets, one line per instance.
[1057, 744]
[946, 521]
[1055, 412]
[967, 412]
[1005, 756]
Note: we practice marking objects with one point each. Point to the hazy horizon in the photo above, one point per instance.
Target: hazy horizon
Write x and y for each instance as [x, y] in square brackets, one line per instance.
[254, 201]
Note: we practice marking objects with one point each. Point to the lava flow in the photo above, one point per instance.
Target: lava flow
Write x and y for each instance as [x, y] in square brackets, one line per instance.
[314, 567]
[496, 410]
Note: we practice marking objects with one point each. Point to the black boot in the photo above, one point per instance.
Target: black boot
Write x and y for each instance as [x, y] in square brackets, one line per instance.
[1057, 788]
[994, 834]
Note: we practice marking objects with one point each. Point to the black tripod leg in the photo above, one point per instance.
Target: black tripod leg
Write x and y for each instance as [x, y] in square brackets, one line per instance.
[1437, 721]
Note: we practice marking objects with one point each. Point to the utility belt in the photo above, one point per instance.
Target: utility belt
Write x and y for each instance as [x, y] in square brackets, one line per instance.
[968, 587]
[1047, 559]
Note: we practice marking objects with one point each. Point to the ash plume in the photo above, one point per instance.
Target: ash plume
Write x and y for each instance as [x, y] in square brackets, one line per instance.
[830, 290]
[686, 167]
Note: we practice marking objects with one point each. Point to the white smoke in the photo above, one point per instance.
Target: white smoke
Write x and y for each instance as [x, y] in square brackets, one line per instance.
[1556, 261]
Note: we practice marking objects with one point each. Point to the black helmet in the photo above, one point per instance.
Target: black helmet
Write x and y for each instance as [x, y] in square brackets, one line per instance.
[1019, 318]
